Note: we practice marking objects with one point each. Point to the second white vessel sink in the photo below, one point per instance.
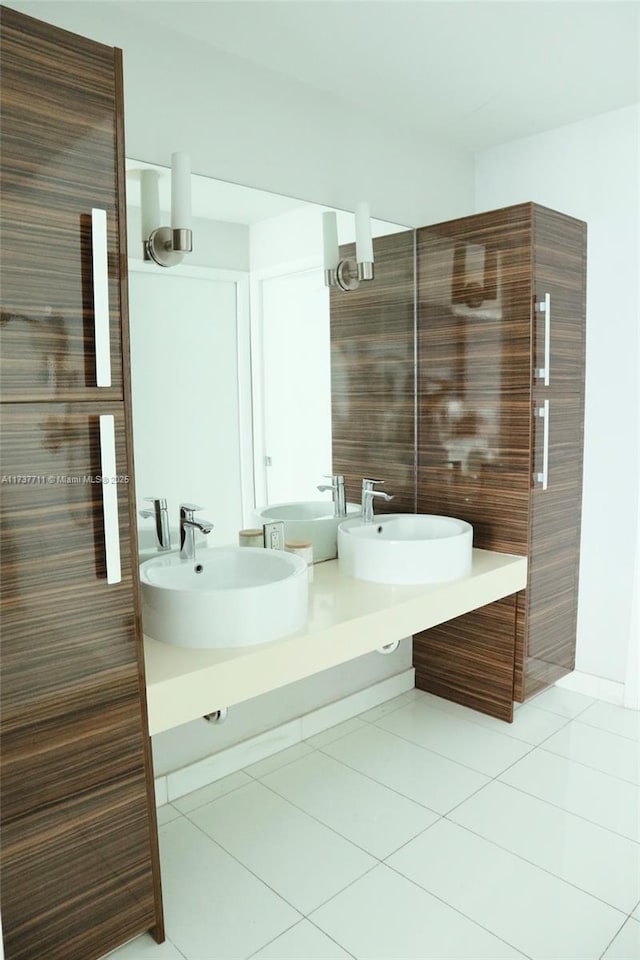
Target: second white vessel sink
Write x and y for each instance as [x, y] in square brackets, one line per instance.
[227, 597]
[312, 520]
[405, 548]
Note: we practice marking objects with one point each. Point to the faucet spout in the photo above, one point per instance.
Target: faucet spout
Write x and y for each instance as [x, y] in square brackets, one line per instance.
[368, 494]
[188, 526]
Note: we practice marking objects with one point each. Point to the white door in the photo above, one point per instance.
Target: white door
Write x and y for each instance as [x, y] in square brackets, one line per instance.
[296, 385]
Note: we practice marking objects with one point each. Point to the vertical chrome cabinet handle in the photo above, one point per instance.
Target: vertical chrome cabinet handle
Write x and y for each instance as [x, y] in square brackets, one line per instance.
[543, 373]
[543, 477]
[101, 296]
[110, 498]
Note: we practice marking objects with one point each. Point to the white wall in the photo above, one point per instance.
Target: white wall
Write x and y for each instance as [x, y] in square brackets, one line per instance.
[590, 170]
[250, 125]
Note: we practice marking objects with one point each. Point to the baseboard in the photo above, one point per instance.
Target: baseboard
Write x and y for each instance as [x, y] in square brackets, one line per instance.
[203, 772]
[598, 687]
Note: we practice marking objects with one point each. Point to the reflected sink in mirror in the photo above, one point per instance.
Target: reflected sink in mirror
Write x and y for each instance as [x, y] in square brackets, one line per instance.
[226, 597]
[405, 548]
[309, 520]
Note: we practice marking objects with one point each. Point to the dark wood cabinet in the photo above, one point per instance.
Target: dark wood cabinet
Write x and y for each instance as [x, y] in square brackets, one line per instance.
[80, 869]
[501, 315]
[60, 160]
[476, 423]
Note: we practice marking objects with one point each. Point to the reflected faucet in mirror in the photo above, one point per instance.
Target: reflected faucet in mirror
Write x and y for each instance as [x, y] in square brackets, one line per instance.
[160, 514]
[337, 494]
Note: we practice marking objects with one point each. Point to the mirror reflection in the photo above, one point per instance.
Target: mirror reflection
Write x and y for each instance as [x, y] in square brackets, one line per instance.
[230, 355]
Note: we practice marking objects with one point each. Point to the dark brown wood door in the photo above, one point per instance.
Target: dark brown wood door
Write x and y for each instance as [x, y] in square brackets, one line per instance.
[373, 376]
[77, 835]
[548, 609]
[59, 163]
[474, 386]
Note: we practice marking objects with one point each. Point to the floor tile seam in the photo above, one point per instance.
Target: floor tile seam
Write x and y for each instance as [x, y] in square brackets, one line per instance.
[560, 714]
[207, 802]
[340, 736]
[249, 870]
[330, 936]
[538, 866]
[566, 810]
[458, 911]
[616, 934]
[379, 783]
[327, 826]
[387, 713]
[612, 733]
[511, 736]
[287, 763]
[589, 766]
[308, 916]
[474, 724]
[453, 760]
[273, 939]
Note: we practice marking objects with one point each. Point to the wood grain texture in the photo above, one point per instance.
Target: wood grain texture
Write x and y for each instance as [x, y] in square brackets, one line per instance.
[79, 840]
[71, 726]
[158, 929]
[58, 161]
[474, 375]
[550, 614]
[479, 339]
[479, 444]
[470, 659]
[373, 376]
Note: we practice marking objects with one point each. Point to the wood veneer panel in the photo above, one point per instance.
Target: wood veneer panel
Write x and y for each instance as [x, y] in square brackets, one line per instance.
[74, 776]
[76, 875]
[474, 355]
[470, 659]
[373, 376]
[58, 161]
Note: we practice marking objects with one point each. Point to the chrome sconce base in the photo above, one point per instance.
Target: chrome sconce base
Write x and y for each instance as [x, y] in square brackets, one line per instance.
[167, 247]
[348, 274]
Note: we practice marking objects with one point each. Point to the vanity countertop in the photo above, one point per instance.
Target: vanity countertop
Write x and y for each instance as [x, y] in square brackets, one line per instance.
[347, 618]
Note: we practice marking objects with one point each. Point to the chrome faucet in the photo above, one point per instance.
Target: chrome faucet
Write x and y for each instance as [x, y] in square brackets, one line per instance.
[337, 492]
[160, 515]
[368, 493]
[188, 527]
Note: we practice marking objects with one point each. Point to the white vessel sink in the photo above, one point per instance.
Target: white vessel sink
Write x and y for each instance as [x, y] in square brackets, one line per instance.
[309, 520]
[405, 548]
[227, 597]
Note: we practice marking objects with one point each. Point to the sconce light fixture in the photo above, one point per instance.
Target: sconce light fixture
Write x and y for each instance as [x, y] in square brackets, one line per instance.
[167, 245]
[347, 274]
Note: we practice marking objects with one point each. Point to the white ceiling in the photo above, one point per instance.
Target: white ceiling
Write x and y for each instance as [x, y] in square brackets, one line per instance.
[471, 72]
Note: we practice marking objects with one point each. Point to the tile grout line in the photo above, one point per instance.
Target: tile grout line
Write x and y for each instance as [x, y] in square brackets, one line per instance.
[436, 896]
[537, 866]
[589, 766]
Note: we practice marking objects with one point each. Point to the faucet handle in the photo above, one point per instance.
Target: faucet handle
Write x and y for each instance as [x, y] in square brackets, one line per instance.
[368, 482]
[192, 507]
[157, 501]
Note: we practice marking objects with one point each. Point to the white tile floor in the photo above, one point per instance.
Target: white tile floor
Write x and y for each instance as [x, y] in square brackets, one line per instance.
[419, 830]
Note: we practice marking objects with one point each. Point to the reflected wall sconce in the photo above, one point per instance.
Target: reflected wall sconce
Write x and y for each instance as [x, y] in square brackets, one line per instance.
[347, 274]
[167, 245]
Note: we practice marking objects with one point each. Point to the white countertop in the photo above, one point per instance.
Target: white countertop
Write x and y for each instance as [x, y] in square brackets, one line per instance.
[347, 618]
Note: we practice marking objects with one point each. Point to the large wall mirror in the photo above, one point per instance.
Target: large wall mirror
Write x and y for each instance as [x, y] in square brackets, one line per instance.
[230, 354]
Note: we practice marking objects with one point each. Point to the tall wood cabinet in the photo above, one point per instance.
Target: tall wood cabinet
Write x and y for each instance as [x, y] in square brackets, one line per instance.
[467, 399]
[501, 310]
[80, 870]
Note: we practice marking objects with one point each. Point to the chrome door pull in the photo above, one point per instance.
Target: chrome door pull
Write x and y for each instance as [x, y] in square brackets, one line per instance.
[110, 498]
[543, 477]
[544, 373]
[100, 267]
